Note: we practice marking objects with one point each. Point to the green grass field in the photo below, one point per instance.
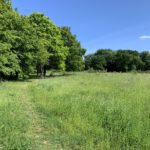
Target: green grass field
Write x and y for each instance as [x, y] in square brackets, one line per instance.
[83, 111]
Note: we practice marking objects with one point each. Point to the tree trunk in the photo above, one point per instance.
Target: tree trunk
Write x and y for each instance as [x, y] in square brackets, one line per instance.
[38, 71]
[41, 71]
[16, 75]
[44, 71]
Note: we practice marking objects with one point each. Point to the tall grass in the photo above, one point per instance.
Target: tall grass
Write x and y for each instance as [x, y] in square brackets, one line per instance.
[14, 122]
[92, 111]
[96, 111]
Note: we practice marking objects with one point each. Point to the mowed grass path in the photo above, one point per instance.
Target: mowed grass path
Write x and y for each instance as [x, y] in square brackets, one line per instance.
[89, 111]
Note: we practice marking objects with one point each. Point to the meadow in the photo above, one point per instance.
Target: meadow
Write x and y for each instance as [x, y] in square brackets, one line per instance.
[81, 111]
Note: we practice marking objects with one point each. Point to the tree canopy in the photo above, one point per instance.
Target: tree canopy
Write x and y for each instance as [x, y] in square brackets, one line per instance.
[74, 60]
[120, 60]
[34, 43]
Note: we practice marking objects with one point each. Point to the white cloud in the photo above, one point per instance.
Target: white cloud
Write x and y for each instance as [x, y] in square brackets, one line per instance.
[145, 37]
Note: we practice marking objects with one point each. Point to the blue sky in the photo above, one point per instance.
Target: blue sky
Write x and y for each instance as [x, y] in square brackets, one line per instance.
[115, 24]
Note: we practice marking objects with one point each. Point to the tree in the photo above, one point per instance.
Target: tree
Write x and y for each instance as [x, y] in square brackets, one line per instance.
[17, 31]
[35, 43]
[109, 56]
[120, 60]
[5, 5]
[96, 62]
[127, 60]
[145, 57]
[88, 61]
[74, 60]
[9, 62]
[50, 48]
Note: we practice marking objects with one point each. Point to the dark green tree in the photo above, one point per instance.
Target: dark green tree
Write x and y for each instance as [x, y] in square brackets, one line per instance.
[109, 56]
[145, 57]
[88, 61]
[96, 62]
[120, 60]
[127, 60]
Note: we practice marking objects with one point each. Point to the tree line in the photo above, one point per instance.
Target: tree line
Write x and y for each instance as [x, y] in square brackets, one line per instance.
[33, 43]
[119, 61]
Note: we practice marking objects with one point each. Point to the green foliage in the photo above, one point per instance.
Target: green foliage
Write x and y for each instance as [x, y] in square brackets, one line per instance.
[103, 59]
[5, 5]
[9, 62]
[145, 56]
[49, 44]
[29, 43]
[98, 62]
[15, 32]
[120, 60]
[10, 41]
[74, 61]
[128, 60]
[109, 56]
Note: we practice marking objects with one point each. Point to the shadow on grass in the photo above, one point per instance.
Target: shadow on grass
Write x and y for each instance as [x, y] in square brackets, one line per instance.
[54, 75]
[35, 77]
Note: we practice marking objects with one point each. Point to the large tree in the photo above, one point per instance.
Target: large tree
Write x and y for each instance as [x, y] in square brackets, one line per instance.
[51, 51]
[9, 61]
[74, 61]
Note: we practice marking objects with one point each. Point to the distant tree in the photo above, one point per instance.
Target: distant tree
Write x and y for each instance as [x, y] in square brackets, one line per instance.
[88, 61]
[145, 57]
[120, 60]
[96, 62]
[109, 56]
[127, 60]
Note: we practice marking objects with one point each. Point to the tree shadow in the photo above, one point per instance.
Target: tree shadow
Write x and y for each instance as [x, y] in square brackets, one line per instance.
[35, 77]
[54, 75]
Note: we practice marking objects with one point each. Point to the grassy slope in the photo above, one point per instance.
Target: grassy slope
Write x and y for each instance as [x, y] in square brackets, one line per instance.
[83, 111]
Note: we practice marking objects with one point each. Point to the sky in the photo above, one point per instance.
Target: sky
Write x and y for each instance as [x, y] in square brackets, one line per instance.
[115, 24]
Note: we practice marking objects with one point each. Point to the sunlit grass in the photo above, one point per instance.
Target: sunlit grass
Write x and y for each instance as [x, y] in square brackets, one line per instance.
[103, 111]
[96, 111]
[14, 122]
